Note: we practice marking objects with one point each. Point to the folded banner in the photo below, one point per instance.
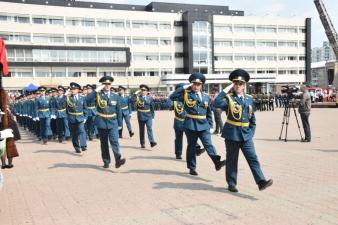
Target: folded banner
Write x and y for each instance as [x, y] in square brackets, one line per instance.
[3, 58]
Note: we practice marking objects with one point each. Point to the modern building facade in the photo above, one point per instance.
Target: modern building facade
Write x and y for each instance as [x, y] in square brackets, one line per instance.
[324, 53]
[54, 42]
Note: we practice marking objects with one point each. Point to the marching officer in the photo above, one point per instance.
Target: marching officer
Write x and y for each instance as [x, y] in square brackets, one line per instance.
[91, 113]
[61, 115]
[42, 107]
[77, 115]
[145, 114]
[108, 121]
[180, 115]
[239, 130]
[126, 110]
[54, 93]
[198, 120]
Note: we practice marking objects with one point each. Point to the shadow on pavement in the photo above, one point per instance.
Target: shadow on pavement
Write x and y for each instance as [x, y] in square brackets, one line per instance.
[79, 166]
[156, 157]
[276, 140]
[200, 187]
[58, 152]
[327, 150]
[134, 147]
[168, 173]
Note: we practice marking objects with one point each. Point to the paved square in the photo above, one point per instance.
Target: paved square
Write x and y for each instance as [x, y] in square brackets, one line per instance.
[52, 185]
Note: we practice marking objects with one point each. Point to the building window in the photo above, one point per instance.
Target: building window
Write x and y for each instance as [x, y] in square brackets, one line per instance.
[266, 29]
[266, 44]
[266, 58]
[151, 25]
[16, 37]
[145, 57]
[244, 28]
[288, 44]
[81, 39]
[165, 26]
[302, 58]
[13, 18]
[283, 29]
[165, 41]
[224, 57]
[244, 58]
[165, 57]
[222, 28]
[48, 20]
[110, 23]
[84, 22]
[223, 43]
[244, 43]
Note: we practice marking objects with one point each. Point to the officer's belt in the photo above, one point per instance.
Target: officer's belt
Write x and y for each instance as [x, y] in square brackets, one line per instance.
[179, 119]
[237, 124]
[144, 110]
[196, 117]
[43, 110]
[92, 107]
[106, 115]
[76, 113]
[61, 110]
[124, 108]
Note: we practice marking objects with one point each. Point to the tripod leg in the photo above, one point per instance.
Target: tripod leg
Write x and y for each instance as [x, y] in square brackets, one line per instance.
[284, 119]
[287, 124]
[300, 133]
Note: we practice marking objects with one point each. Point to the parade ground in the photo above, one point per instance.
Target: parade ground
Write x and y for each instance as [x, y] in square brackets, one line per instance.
[52, 185]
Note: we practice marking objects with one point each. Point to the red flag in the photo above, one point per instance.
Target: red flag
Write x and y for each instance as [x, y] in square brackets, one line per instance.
[3, 57]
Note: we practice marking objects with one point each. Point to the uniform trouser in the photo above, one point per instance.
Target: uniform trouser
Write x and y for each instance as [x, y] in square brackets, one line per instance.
[111, 135]
[44, 128]
[78, 132]
[218, 120]
[179, 142]
[306, 125]
[67, 131]
[37, 128]
[60, 125]
[232, 151]
[149, 124]
[272, 106]
[53, 127]
[90, 128]
[127, 119]
[49, 129]
[205, 138]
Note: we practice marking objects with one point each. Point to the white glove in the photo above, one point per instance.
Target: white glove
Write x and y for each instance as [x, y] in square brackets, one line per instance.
[37, 119]
[187, 86]
[120, 128]
[53, 116]
[34, 119]
[99, 88]
[67, 92]
[137, 92]
[84, 121]
[30, 117]
[227, 89]
[7, 133]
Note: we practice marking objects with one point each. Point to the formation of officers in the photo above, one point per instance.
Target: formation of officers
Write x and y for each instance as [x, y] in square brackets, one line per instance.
[100, 112]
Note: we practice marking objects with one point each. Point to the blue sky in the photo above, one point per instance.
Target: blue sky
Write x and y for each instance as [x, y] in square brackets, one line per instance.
[282, 8]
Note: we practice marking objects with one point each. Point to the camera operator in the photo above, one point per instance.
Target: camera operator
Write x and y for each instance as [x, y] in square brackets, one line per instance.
[304, 111]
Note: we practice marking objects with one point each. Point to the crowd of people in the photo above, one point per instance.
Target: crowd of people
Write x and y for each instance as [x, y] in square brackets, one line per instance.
[84, 113]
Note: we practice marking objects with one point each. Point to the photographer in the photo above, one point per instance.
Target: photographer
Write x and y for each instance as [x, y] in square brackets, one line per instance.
[304, 111]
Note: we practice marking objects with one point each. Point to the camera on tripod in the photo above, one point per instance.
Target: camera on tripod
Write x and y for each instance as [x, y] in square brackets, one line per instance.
[290, 102]
[290, 91]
